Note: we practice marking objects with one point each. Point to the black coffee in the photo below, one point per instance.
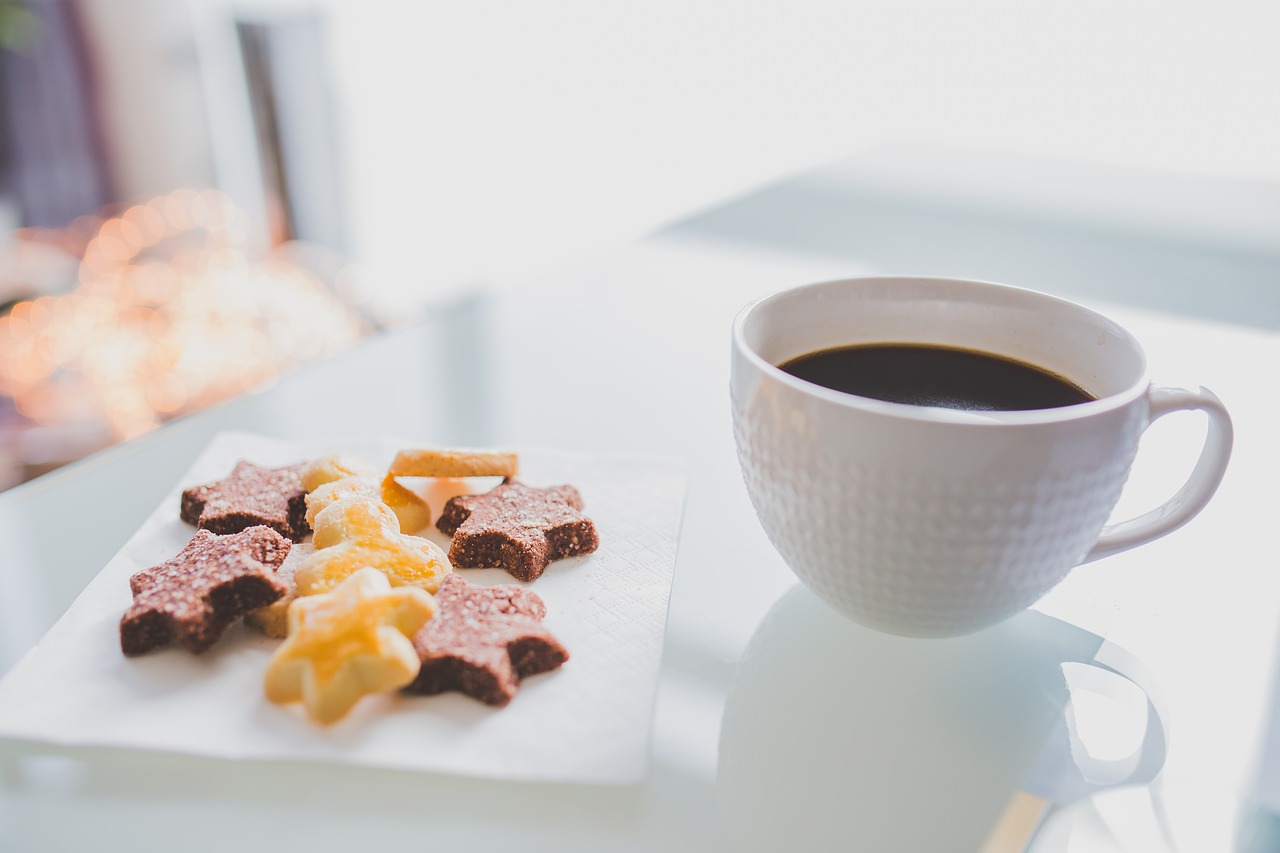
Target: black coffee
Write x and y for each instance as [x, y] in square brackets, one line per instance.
[923, 375]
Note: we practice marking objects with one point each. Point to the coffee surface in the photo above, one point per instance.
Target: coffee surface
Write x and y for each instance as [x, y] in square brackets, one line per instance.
[938, 376]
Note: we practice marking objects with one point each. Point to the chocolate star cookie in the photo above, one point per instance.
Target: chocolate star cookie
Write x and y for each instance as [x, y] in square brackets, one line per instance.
[193, 597]
[250, 496]
[518, 528]
[482, 641]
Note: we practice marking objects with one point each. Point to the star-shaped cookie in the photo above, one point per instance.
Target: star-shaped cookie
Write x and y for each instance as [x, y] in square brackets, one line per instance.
[330, 477]
[347, 644]
[251, 495]
[483, 641]
[192, 598]
[356, 532]
[518, 528]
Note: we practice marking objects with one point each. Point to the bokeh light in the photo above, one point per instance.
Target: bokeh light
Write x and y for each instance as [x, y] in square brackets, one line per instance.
[170, 314]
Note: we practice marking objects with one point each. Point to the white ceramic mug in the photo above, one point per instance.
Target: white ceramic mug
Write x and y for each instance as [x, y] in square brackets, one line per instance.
[938, 522]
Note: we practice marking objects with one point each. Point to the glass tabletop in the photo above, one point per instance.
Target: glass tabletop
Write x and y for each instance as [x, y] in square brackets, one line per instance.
[628, 351]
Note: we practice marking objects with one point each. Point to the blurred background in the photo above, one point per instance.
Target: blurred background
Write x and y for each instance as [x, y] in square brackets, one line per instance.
[199, 195]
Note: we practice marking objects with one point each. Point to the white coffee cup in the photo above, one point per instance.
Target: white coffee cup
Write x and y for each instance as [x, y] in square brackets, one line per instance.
[937, 522]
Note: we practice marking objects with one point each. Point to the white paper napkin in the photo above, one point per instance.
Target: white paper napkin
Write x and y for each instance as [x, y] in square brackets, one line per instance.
[589, 721]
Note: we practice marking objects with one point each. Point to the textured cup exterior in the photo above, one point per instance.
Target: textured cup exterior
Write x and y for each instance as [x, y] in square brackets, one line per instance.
[926, 528]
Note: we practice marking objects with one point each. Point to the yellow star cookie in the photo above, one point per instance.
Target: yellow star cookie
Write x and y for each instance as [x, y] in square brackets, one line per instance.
[335, 466]
[320, 476]
[347, 644]
[354, 533]
[454, 463]
[413, 512]
[323, 495]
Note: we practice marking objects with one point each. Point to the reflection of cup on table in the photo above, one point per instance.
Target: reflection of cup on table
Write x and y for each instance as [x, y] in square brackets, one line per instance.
[838, 737]
[934, 521]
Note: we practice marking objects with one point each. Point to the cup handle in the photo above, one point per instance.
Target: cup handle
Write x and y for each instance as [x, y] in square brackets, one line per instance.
[1198, 489]
[1064, 772]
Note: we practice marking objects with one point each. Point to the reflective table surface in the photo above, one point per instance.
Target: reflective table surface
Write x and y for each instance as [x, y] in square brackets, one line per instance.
[775, 719]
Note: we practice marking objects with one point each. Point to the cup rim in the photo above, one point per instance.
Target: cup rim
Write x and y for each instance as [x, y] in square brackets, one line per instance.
[926, 414]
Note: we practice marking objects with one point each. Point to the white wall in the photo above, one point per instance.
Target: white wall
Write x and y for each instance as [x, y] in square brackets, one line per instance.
[491, 135]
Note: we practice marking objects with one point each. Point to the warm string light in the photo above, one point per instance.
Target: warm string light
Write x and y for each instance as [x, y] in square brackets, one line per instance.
[142, 339]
